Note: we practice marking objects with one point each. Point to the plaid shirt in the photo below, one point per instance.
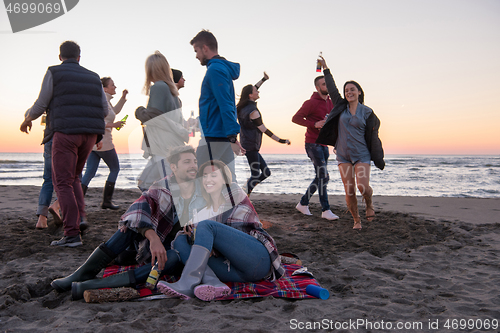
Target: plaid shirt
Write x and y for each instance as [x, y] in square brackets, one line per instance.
[153, 210]
[239, 213]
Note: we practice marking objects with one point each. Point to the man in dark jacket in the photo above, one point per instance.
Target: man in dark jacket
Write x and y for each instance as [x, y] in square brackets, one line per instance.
[77, 104]
[312, 115]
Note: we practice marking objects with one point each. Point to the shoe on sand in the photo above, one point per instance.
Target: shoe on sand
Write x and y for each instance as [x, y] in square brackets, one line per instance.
[303, 209]
[69, 241]
[327, 214]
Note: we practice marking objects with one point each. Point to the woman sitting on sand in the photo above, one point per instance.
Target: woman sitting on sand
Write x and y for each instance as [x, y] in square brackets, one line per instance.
[225, 242]
[352, 128]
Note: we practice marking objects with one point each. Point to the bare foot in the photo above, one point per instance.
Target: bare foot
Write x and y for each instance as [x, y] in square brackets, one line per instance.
[55, 206]
[54, 210]
[42, 222]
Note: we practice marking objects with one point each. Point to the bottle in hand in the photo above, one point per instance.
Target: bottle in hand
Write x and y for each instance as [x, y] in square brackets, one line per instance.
[153, 277]
[124, 119]
[318, 64]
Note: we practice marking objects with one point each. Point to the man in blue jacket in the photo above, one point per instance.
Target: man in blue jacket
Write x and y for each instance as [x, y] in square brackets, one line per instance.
[78, 105]
[218, 118]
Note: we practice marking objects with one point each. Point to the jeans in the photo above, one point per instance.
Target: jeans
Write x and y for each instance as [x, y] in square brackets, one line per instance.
[110, 158]
[258, 168]
[216, 149]
[242, 257]
[120, 241]
[47, 189]
[319, 156]
[69, 153]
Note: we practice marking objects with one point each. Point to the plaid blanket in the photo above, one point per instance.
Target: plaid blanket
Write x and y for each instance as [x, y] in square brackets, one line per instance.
[287, 286]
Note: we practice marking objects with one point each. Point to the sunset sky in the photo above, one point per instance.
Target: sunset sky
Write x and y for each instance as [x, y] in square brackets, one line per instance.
[430, 69]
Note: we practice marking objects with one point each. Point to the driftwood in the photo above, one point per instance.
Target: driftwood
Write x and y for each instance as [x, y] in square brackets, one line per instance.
[110, 295]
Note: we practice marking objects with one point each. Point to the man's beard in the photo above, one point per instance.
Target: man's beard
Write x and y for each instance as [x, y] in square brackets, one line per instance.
[187, 178]
[204, 61]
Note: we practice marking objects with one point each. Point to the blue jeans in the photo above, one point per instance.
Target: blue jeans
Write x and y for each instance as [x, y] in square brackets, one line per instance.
[258, 168]
[110, 158]
[120, 241]
[45, 196]
[242, 257]
[319, 156]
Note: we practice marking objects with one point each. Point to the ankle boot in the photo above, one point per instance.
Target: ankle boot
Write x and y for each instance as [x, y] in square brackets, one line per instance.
[84, 189]
[107, 195]
[191, 275]
[125, 279]
[99, 259]
[211, 287]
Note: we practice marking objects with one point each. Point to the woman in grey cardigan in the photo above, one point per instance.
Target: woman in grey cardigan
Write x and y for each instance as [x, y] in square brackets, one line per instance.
[352, 128]
[162, 120]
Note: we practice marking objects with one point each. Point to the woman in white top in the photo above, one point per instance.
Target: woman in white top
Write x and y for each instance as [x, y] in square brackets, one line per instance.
[106, 149]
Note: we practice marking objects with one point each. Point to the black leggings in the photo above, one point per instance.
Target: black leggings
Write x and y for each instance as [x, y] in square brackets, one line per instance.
[258, 169]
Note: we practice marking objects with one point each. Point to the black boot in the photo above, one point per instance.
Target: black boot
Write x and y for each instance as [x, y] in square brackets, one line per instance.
[125, 279]
[84, 189]
[107, 196]
[99, 259]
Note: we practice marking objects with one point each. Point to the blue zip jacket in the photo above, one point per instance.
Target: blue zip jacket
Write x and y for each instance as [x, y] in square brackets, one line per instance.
[217, 100]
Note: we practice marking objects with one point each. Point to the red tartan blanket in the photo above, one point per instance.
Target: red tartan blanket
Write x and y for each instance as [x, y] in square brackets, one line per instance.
[287, 286]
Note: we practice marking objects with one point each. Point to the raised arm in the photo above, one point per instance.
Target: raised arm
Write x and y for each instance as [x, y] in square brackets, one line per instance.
[264, 79]
[257, 120]
[330, 83]
[118, 107]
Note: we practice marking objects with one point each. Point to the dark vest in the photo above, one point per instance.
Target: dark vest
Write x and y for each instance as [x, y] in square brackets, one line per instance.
[76, 105]
[250, 135]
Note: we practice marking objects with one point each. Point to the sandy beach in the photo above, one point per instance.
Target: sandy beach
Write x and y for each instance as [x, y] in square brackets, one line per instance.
[421, 264]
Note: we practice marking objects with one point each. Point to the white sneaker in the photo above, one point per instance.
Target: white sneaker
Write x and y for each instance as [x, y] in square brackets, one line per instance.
[327, 214]
[303, 209]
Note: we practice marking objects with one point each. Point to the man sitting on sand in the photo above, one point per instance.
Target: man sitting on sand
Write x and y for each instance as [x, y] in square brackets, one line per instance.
[150, 223]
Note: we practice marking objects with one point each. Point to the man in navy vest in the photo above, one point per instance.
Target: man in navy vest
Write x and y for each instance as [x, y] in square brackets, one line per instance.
[76, 105]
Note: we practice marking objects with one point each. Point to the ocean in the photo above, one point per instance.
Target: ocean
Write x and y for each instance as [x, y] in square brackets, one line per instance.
[404, 175]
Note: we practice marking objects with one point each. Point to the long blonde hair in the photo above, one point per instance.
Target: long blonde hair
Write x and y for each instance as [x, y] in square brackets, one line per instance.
[158, 69]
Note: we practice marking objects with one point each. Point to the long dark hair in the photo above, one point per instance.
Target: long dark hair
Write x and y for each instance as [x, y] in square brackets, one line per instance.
[244, 99]
[226, 175]
[361, 97]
